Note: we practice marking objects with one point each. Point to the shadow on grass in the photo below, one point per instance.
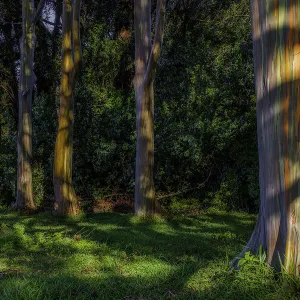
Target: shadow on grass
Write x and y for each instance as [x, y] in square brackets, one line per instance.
[112, 256]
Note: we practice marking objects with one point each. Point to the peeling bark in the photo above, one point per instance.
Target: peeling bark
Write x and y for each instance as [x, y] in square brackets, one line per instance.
[276, 51]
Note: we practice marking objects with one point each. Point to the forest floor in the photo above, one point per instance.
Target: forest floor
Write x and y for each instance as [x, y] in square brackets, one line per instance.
[119, 256]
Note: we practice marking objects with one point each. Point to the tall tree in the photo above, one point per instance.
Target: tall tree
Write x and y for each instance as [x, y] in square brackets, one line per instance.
[27, 44]
[146, 58]
[277, 77]
[71, 62]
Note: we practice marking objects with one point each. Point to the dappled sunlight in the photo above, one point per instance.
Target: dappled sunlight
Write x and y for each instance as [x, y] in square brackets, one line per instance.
[4, 263]
[82, 264]
[117, 256]
[149, 269]
[65, 195]
[49, 229]
[201, 279]
[164, 229]
[103, 227]
[62, 246]
[276, 49]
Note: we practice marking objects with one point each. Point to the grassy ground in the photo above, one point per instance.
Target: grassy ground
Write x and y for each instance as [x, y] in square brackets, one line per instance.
[115, 256]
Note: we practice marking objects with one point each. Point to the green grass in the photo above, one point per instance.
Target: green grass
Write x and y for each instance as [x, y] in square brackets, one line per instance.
[115, 256]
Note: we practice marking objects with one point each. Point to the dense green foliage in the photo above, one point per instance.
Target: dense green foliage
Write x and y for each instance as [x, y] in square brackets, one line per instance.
[109, 256]
[204, 104]
[205, 158]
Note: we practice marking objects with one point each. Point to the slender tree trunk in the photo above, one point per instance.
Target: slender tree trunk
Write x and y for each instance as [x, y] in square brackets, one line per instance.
[144, 186]
[71, 62]
[27, 45]
[146, 57]
[277, 74]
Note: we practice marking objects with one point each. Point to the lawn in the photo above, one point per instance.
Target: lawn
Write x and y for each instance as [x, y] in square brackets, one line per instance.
[119, 256]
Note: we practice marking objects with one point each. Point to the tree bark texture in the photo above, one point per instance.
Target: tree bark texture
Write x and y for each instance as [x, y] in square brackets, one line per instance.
[27, 45]
[146, 58]
[276, 51]
[66, 199]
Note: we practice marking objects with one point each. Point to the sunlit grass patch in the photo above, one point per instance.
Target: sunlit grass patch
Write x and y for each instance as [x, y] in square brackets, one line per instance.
[114, 256]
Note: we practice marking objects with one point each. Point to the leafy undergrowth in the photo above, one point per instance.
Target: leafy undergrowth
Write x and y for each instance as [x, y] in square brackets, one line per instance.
[115, 256]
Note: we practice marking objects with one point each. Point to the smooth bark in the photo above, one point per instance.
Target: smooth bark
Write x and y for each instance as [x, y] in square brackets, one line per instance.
[67, 202]
[27, 45]
[276, 51]
[146, 58]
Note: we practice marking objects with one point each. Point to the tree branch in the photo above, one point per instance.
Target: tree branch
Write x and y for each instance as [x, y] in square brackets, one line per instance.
[50, 23]
[158, 38]
[38, 11]
[142, 31]
[12, 23]
[201, 185]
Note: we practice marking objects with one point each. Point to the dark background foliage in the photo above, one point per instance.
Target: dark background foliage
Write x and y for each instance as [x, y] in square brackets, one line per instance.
[205, 124]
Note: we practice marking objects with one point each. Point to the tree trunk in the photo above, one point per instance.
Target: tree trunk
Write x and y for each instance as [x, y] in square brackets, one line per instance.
[27, 44]
[71, 60]
[277, 75]
[146, 57]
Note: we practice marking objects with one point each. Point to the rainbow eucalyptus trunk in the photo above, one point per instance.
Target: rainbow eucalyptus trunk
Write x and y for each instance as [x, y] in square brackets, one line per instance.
[67, 202]
[277, 75]
[27, 45]
[146, 58]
